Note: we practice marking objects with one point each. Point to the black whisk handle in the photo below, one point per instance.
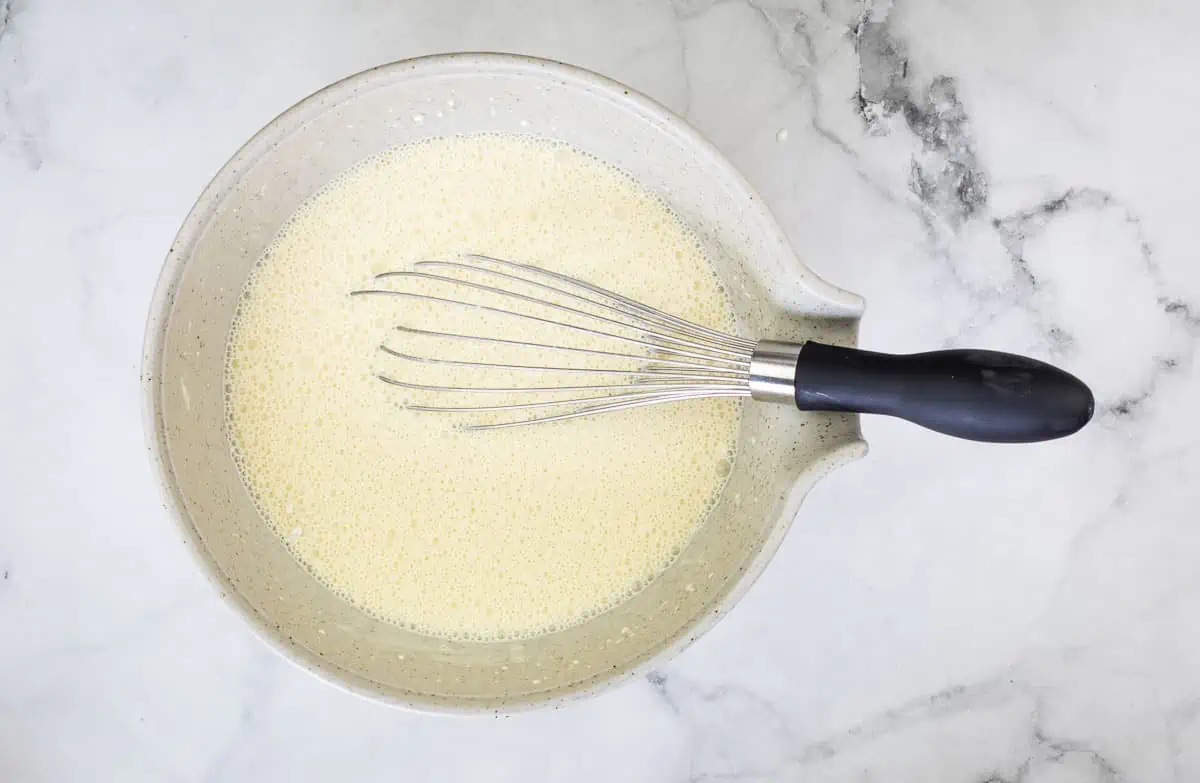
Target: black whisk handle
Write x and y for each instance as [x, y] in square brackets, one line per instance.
[973, 394]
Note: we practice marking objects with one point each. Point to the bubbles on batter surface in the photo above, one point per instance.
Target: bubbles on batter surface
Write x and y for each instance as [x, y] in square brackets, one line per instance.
[467, 535]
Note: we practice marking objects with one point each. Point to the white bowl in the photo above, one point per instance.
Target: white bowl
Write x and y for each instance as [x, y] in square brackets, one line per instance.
[781, 451]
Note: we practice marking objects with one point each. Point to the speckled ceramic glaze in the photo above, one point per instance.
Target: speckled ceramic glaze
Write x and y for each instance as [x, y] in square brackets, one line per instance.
[781, 452]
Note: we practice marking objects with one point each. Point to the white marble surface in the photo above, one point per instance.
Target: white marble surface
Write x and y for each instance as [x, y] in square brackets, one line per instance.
[1014, 175]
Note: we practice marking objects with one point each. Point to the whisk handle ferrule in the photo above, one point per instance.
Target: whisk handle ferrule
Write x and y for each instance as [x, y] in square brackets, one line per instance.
[773, 371]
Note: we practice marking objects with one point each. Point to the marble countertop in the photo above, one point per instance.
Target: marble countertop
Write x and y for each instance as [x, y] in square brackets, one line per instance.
[1012, 175]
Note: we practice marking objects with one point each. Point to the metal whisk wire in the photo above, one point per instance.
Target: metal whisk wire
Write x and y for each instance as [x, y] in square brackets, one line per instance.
[674, 359]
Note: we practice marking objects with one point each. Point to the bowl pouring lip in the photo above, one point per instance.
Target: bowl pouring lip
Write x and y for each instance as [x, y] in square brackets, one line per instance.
[843, 304]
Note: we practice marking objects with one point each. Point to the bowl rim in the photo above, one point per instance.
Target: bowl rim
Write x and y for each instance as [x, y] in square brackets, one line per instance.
[179, 253]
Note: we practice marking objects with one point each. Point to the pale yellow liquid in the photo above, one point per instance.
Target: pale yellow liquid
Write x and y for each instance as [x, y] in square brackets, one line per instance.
[467, 535]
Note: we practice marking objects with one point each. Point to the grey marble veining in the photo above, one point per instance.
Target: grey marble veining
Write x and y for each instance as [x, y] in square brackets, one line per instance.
[1010, 175]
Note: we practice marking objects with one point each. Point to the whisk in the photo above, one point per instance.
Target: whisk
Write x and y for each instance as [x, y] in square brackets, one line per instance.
[652, 357]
